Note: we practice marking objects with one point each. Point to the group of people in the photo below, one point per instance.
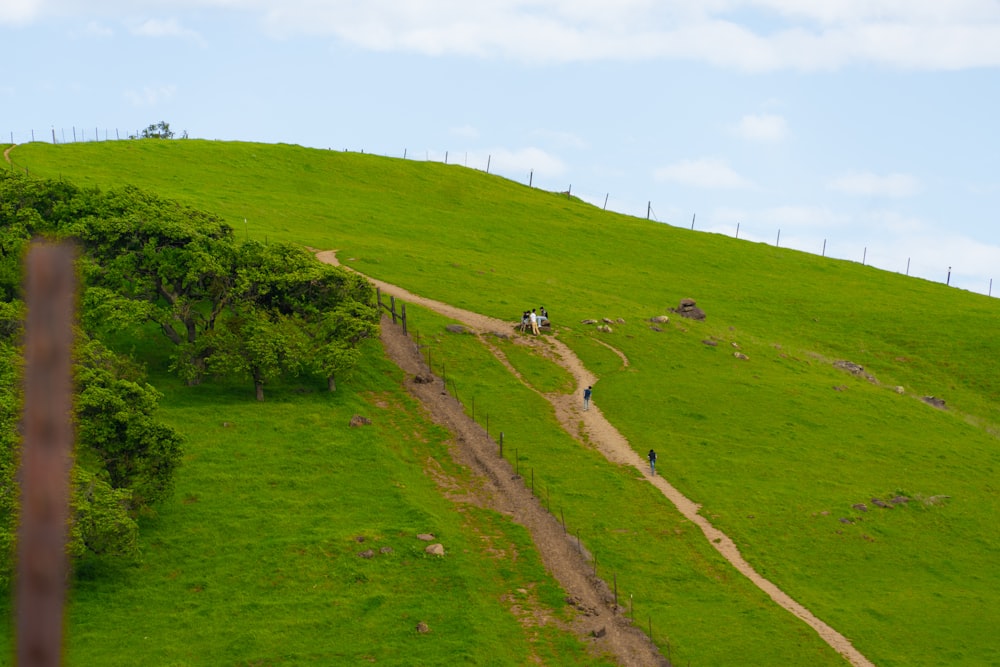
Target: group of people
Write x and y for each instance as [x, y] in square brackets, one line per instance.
[534, 318]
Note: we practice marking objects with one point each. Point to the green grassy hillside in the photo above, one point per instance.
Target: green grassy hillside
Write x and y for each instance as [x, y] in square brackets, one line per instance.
[778, 448]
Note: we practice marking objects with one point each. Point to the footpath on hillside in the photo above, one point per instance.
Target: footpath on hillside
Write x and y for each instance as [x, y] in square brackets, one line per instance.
[561, 554]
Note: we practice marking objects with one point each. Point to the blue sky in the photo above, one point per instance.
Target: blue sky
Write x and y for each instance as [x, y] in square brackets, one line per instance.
[865, 127]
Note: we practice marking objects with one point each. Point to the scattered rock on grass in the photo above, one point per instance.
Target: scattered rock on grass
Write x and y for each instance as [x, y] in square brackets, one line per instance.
[358, 420]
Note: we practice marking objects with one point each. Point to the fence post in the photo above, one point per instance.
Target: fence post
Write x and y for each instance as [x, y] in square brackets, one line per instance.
[501, 444]
[403, 308]
[392, 300]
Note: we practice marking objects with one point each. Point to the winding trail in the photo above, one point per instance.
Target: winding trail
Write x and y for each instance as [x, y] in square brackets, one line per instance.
[616, 448]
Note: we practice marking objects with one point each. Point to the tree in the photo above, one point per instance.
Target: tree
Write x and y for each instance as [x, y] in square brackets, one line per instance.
[159, 130]
[117, 433]
[125, 459]
[260, 344]
[148, 259]
[318, 312]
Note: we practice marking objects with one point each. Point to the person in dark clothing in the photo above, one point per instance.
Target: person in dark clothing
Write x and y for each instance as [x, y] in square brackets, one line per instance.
[652, 462]
[586, 398]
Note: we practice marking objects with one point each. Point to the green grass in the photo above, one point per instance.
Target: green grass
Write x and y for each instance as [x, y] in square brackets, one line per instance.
[255, 559]
[777, 448]
[672, 579]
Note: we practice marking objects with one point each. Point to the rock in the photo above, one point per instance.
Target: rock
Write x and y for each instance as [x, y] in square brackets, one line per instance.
[607, 320]
[385, 550]
[861, 507]
[659, 319]
[456, 328]
[358, 420]
[597, 634]
[367, 553]
[588, 321]
[936, 402]
[688, 309]
[844, 519]
[854, 369]
[709, 342]
[605, 328]
[900, 390]
[426, 537]
[899, 500]
[849, 366]
[422, 628]
[435, 549]
[740, 355]
[881, 503]
[423, 378]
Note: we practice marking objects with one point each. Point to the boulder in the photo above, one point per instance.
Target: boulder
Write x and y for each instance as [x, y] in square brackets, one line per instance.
[689, 309]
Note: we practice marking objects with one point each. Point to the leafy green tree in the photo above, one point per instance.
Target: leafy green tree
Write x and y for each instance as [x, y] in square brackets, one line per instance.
[338, 335]
[117, 432]
[148, 259]
[159, 130]
[318, 314]
[10, 410]
[260, 344]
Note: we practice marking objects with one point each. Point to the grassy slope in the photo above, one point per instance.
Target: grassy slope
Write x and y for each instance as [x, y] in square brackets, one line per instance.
[776, 455]
[255, 559]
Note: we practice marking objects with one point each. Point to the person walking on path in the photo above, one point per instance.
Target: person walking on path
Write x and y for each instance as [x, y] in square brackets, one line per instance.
[652, 462]
[586, 398]
[534, 322]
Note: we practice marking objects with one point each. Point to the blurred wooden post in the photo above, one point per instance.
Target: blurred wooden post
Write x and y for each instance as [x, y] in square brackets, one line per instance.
[46, 459]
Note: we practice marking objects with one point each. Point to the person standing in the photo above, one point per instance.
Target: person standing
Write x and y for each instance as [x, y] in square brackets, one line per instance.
[652, 462]
[534, 322]
[586, 398]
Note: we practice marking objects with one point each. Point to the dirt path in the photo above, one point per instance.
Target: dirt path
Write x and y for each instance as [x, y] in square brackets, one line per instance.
[612, 444]
[6, 153]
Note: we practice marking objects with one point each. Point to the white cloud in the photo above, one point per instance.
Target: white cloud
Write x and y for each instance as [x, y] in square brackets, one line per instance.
[165, 28]
[151, 95]
[702, 173]
[873, 185]
[762, 127]
[19, 11]
[750, 35]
